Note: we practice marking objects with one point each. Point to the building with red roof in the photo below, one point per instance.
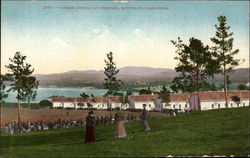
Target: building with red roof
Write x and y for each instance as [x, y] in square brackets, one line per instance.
[208, 100]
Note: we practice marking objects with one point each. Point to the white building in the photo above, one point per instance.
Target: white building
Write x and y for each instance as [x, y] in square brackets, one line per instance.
[208, 100]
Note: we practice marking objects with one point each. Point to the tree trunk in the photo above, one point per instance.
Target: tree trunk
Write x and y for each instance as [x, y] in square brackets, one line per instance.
[29, 104]
[197, 87]
[224, 74]
[225, 89]
[18, 111]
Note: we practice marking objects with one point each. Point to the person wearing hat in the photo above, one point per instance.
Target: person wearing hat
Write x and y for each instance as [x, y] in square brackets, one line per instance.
[90, 128]
[144, 118]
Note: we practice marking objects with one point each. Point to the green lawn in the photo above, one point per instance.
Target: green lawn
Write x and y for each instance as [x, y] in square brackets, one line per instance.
[215, 132]
[22, 105]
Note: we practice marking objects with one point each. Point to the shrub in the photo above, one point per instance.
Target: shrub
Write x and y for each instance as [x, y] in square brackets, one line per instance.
[45, 103]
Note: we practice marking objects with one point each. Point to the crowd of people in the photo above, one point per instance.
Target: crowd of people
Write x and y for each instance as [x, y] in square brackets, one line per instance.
[21, 127]
[89, 122]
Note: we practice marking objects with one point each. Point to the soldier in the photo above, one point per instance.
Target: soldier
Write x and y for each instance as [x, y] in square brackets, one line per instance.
[102, 120]
[110, 119]
[144, 118]
[132, 116]
[97, 121]
[128, 117]
[90, 128]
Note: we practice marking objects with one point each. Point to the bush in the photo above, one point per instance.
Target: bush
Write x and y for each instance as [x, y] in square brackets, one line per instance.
[69, 108]
[241, 87]
[133, 110]
[45, 103]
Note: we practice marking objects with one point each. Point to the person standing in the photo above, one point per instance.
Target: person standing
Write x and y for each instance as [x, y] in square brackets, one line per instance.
[90, 128]
[120, 131]
[144, 118]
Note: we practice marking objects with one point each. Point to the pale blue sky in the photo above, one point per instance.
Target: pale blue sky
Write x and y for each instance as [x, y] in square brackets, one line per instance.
[79, 39]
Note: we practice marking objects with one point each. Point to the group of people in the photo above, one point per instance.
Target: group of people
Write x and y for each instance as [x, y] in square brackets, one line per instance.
[21, 127]
[120, 131]
[103, 120]
[90, 122]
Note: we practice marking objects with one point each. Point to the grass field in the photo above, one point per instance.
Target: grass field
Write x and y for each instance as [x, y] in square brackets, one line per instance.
[22, 105]
[214, 132]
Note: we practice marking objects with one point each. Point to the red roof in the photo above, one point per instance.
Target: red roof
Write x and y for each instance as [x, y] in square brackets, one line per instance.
[144, 97]
[204, 96]
[212, 95]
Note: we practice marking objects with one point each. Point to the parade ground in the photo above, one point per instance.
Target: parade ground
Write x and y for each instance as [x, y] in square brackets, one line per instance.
[9, 114]
[223, 132]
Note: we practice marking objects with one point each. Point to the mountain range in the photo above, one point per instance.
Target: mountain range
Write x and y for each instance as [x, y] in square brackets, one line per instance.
[126, 74]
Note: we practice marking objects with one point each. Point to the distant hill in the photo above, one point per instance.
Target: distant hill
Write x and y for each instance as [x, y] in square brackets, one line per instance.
[143, 71]
[127, 74]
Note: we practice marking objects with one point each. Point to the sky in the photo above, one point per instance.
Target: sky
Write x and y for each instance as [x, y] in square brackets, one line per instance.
[62, 36]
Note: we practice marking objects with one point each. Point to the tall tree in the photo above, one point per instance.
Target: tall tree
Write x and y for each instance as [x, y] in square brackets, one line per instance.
[3, 94]
[195, 65]
[111, 82]
[31, 89]
[164, 95]
[124, 98]
[224, 52]
[19, 76]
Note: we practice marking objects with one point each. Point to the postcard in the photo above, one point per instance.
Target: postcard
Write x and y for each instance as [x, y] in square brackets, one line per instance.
[124, 78]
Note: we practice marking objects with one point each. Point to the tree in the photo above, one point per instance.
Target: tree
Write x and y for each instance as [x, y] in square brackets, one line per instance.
[124, 98]
[45, 103]
[195, 65]
[30, 89]
[19, 76]
[236, 99]
[3, 94]
[81, 105]
[111, 82]
[183, 84]
[145, 91]
[223, 51]
[241, 87]
[84, 95]
[164, 95]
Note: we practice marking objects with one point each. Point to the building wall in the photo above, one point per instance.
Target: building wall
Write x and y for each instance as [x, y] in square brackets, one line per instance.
[64, 104]
[208, 105]
[205, 105]
[176, 105]
[57, 104]
[150, 105]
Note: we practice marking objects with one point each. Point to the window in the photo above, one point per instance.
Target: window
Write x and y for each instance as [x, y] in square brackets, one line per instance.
[149, 105]
[102, 105]
[231, 104]
[237, 104]
[218, 105]
[98, 105]
[174, 106]
[243, 104]
[212, 106]
[179, 106]
[185, 105]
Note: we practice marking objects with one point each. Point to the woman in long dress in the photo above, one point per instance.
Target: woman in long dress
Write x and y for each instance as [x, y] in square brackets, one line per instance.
[90, 128]
[120, 131]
